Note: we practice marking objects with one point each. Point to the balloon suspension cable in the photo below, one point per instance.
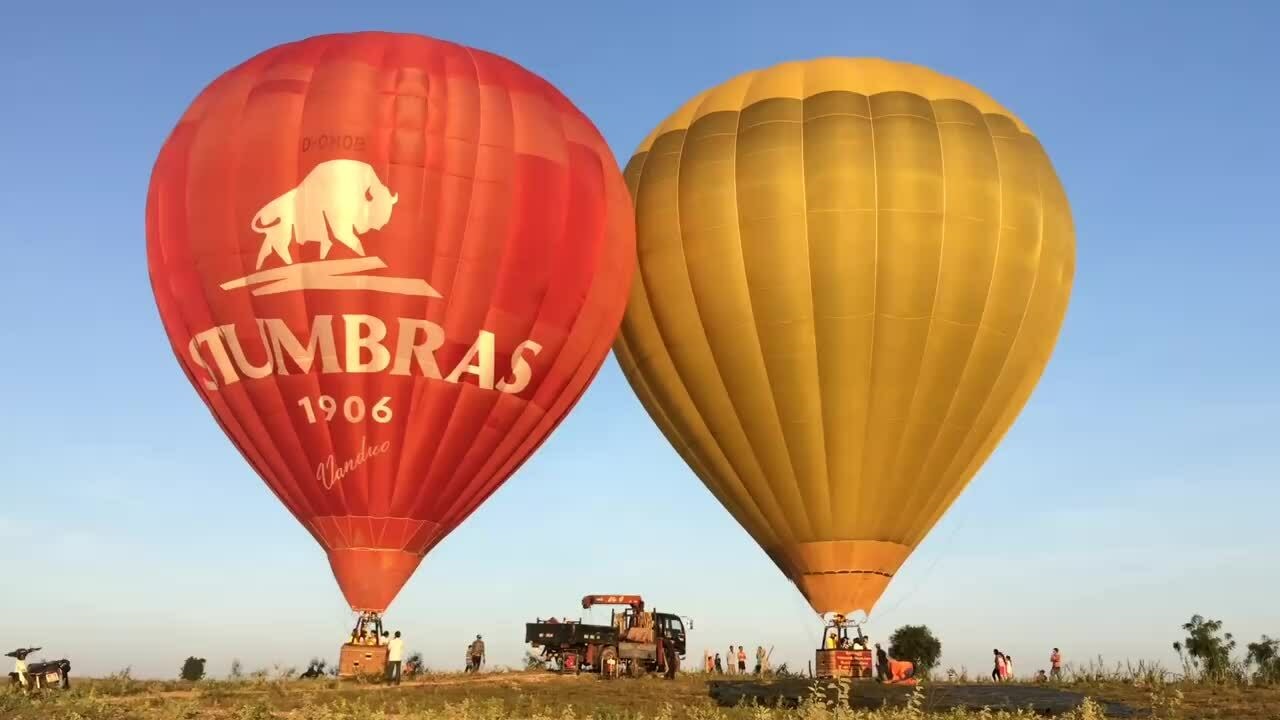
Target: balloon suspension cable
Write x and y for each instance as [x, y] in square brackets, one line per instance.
[840, 624]
[367, 621]
[845, 621]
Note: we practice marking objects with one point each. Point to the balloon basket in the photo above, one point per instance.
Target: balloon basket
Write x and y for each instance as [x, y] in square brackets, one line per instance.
[364, 655]
[854, 664]
[362, 661]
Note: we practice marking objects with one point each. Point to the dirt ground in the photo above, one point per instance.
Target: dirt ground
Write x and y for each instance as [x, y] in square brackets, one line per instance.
[542, 695]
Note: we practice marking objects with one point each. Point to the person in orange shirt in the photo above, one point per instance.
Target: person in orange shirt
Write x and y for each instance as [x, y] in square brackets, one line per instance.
[1055, 665]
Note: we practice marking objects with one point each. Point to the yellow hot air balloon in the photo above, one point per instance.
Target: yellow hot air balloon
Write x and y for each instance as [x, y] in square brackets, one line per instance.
[852, 273]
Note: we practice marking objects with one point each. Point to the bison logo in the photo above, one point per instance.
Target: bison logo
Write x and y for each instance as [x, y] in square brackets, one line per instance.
[344, 198]
[338, 201]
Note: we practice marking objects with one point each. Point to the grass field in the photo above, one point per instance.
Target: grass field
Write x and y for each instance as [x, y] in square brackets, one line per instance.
[545, 696]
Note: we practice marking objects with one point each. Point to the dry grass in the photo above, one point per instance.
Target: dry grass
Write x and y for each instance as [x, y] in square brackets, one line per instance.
[543, 696]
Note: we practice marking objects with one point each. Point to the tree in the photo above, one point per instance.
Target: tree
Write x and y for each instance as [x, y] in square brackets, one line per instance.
[1207, 651]
[193, 669]
[917, 644]
[1265, 654]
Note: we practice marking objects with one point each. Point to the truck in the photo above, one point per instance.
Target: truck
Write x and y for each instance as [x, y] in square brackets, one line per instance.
[636, 640]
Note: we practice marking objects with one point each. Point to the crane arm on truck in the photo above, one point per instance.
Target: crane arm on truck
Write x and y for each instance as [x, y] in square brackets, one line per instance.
[634, 601]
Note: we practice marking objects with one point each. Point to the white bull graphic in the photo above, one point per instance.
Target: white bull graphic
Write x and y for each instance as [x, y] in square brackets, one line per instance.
[342, 197]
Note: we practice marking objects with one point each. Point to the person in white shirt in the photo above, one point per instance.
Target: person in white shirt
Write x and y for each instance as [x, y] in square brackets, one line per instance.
[395, 654]
[20, 667]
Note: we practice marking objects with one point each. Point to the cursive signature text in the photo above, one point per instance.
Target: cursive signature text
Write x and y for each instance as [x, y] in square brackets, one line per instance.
[329, 472]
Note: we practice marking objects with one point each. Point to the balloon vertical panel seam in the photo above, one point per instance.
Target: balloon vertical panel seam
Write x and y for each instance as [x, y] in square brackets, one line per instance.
[1031, 378]
[817, 350]
[895, 467]
[664, 350]
[802, 526]
[961, 384]
[737, 416]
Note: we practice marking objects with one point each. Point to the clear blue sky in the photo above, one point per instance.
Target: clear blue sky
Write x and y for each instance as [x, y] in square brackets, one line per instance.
[1138, 487]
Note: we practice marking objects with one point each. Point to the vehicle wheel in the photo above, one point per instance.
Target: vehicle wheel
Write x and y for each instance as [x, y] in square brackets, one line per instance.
[609, 662]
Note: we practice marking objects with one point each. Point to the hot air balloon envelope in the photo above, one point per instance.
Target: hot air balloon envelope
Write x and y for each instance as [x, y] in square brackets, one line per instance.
[852, 273]
[389, 265]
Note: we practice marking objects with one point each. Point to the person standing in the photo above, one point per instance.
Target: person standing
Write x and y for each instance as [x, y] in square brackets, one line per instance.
[706, 661]
[882, 664]
[719, 665]
[997, 672]
[395, 655]
[1055, 665]
[1008, 667]
[20, 668]
[670, 657]
[742, 661]
[730, 664]
[477, 654]
[760, 660]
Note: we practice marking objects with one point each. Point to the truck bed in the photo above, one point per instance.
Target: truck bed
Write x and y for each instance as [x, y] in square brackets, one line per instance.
[569, 634]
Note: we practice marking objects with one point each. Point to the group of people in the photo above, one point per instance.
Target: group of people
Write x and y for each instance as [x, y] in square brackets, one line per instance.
[735, 661]
[1003, 669]
[364, 637]
[838, 639]
[395, 651]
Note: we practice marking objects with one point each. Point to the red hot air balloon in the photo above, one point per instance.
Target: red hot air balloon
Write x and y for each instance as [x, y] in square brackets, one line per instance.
[389, 265]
